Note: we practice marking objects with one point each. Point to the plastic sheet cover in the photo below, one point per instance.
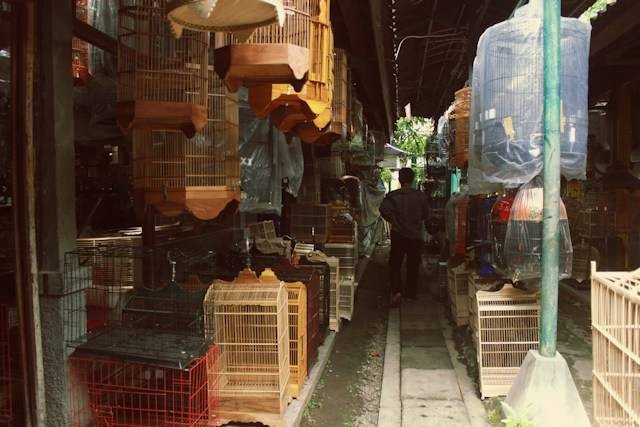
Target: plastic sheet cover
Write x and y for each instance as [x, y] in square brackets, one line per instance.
[370, 226]
[523, 242]
[508, 93]
[291, 162]
[455, 223]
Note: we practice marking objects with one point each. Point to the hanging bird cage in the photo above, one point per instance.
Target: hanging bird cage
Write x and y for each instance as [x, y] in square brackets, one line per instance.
[461, 104]
[248, 320]
[80, 48]
[312, 104]
[297, 303]
[272, 54]
[162, 81]
[201, 175]
[238, 16]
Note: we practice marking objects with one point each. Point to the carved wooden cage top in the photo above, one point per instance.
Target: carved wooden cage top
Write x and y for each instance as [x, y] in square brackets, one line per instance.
[201, 174]
[248, 320]
[153, 66]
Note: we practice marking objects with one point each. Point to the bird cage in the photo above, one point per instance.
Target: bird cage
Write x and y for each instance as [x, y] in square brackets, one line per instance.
[289, 107]
[335, 286]
[162, 81]
[266, 240]
[615, 322]
[159, 381]
[271, 55]
[458, 294]
[477, 283]
[330, 167]
[310, 222]
[248, 319]
[461, 109]
[297, 303]
[8, 319]
[347, 254]
[342, 227]
[116, 260]
[201, 175]
[80, 48]
[508, 327]
[240, 17]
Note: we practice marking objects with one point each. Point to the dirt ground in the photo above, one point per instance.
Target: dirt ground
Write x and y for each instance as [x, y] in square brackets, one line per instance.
[349, 391]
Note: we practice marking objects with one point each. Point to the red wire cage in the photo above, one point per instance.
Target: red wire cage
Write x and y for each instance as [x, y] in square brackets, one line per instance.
[114, 392]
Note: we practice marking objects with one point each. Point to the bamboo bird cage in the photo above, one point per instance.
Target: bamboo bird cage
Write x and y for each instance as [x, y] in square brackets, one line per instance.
[615, 322]
[271, 55]
[248, 320]
[508, 327]
[80, 48]
[347, 254]
[461, 113]
[201, 175]
[297, 303]
[289, 107]
[335, 289]
[238, 16]
[162, 81]
[458, 294]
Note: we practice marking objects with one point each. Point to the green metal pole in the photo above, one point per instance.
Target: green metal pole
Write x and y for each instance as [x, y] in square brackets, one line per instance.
[551, 176]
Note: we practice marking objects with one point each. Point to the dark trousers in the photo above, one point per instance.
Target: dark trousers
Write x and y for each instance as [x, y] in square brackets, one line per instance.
[401, 247]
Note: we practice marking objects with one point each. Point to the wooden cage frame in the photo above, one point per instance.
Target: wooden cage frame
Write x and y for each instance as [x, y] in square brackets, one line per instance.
[248, 319]
[162, 81]
[461, 113]
[310, 222]
[335, 290]
[201, 175]
[298, 350]
[271, 55]
[508, 327]
[615, 324]
[347, 255]
[458, 295]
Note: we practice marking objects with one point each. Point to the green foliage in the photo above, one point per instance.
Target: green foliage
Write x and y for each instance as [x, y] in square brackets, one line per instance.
[597, 7]
[413, 134]
[515, 419]
[385, 175]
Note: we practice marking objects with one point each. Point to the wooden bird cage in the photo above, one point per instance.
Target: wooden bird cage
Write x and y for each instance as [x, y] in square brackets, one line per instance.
[162, 81]
[297, 303]
[347, 254]
[80, 48]
[310, 222]
[342, 226]
[461, 113]
[508, 327]
[202, 174]
[238, 16]
[289, 107]
[248, 319]
[458, 294]
[615, 322]
[338, 127]
[271, 55]
[335, 286]
[475, 284]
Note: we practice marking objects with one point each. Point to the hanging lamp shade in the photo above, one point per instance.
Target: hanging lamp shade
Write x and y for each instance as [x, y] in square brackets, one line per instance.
[289, 108]
[200, 175]
[272, 54]
[162, 81]
[238, 16]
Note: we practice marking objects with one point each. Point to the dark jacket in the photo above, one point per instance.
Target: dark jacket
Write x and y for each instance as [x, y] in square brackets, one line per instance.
[406, 209]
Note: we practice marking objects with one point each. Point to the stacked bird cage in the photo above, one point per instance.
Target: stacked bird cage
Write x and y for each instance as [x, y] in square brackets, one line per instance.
[310, 222]
[615, 321]
[508, 327]
[475, 284]
[162, 81]
[248, 319]
[157, 381]
[458, 294]
[298, 334]
[347, 254]
[80, 48]
[272, 54]
[342, 226]
[461, 112]
[201, 175]
[7, 317]
[335, 285]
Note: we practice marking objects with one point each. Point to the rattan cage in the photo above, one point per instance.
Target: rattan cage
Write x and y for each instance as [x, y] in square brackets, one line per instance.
[347, 255]
[458, 294]
[162, 81]
[298, 352]
[475, 284]
[310, 222]
[615, 322]
[80, 48]
[461, 113]
[200, 175]
[272, 54]
[508, 327]
[238, 16]
[309, 109]
[248, 319]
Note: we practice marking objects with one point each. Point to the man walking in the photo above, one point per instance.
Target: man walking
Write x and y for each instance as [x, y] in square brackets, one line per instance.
[406, 210]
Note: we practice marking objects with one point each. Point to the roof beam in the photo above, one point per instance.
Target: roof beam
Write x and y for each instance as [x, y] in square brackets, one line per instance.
[375, 7]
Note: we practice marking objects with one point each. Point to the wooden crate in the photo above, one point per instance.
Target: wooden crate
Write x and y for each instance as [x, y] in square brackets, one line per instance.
[248, 319]
[508, 327]
[457, 286]
[162, 81]
[615, 322]
[310, 222]
[298, 350]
